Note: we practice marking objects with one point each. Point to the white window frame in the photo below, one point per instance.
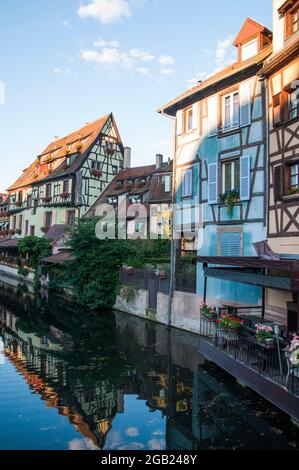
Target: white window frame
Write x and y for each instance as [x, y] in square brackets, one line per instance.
[185, 192]
[167, 185]
[232, 125]
[187, 112]
[296, 166]
[223, 170]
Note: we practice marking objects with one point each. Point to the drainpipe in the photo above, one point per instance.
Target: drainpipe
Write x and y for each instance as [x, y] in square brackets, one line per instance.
[173, 244]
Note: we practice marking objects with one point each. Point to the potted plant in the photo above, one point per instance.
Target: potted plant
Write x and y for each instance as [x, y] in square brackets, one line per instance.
[264, 334]
[230, 198]
[228, 326]
[293, 191]
[96, 173]
[292, 354]
[208, 311]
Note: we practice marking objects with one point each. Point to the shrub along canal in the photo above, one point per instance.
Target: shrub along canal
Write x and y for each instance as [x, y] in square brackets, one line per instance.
[74, 380]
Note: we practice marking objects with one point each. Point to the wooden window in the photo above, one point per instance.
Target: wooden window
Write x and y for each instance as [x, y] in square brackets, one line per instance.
[49, 190]
[20, 196]
[188, 120]
[20, 222]
[277, 110]
[249, 49]
[231, 111]
[32, 230]
[293, 100]
[26, 227]
[29, 201]
[294, 175]
[114, 169]
[230, 175]
[71, 217]
[187, 182]
[66, 186]
[167, 183]
[48, 219]
[292, 21]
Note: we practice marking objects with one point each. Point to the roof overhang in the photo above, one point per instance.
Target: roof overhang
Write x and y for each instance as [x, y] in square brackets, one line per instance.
[286, 6]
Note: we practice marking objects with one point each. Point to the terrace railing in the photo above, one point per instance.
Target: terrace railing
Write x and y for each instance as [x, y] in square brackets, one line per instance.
[269, 361]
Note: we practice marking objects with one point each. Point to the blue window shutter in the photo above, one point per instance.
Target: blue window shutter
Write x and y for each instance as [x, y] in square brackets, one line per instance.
[245, 178]
[245, 104]
[230, 244]
[212, 184]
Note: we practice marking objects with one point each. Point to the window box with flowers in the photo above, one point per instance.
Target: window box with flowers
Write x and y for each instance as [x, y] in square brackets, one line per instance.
[139, 183]
[65, 195]
[228, 327]
[264, 335]
[230, 198]
[47, 199]
[18, 203]
[45, 229]
[96, 173]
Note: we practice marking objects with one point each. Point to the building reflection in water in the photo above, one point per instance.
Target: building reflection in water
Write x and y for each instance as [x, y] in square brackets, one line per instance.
[88, 366]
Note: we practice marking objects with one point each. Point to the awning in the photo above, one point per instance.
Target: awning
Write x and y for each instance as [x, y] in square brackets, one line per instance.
[11, 243]
[275, 274]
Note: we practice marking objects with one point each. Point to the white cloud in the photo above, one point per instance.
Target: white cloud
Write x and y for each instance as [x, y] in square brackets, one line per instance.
[67, 25]
[106, 11]
[109, 57]
[132, 432]
[166, 60]
[223, 52]
[103, 43]
[156, 444]
[141, 55]
[167, 72]
[64, 71]
[224, 55]
[82, 444]
[142, 70]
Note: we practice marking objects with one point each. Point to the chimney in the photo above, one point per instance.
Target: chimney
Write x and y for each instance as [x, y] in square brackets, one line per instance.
[159, 161]
[127, 157]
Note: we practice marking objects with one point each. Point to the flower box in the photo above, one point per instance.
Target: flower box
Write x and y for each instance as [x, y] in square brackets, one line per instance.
[65, 195]
[47, 199]
[96, 173]
[18, 203]
[45, 229]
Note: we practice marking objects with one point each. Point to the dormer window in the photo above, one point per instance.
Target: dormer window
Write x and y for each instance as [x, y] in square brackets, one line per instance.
[249, 49]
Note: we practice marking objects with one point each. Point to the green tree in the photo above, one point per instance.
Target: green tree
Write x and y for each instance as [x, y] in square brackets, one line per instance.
[36, 248]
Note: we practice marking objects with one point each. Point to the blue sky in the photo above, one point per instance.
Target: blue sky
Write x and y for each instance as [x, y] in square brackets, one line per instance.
[68, 62]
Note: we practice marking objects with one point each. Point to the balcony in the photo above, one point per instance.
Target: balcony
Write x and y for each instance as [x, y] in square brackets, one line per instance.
[264, 368]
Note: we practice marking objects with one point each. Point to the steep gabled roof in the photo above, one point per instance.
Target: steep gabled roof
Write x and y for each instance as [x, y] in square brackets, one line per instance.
[219, 79]
[124, 175]
[249, 29]
[76, 143]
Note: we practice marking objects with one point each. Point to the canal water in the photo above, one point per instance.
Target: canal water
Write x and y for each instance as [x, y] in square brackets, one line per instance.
[72, 380]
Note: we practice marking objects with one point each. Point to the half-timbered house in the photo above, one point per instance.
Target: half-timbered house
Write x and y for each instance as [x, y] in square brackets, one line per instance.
[66, 178]
[138, 195]
[281, 70]
[220, 164]
[4, 215]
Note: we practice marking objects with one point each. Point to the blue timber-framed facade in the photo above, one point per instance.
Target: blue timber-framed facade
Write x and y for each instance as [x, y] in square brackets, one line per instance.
[221, 165]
